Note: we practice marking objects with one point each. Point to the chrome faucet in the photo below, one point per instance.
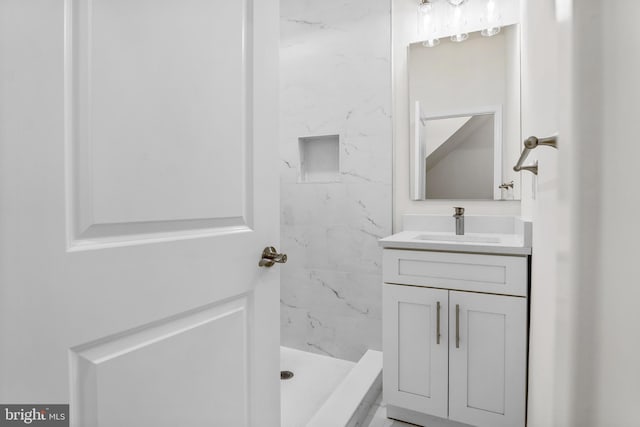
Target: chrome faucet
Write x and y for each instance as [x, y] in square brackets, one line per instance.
[459, 216]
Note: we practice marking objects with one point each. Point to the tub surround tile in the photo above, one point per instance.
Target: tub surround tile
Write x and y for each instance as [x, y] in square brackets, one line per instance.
[335, 74]
[331, 312]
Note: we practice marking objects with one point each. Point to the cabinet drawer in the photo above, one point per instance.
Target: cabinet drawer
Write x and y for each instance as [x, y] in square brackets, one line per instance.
[496, 274]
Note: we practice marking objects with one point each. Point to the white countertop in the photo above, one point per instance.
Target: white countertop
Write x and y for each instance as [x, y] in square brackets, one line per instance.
[509, 244]
[505, 235]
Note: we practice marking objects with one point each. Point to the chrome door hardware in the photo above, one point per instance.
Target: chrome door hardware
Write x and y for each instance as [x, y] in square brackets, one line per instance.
[270, 256]
[529, 144]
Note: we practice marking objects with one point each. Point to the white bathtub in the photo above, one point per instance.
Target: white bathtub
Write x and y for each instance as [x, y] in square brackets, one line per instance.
[326, 391]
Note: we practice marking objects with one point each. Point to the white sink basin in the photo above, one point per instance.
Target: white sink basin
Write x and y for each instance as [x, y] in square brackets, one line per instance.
[506, 235]
[456, 238]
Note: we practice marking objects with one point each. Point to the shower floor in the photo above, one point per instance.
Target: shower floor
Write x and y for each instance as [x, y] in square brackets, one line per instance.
[315, 378]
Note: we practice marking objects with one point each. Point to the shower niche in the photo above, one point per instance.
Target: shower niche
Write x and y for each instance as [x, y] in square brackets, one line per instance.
[319, 158]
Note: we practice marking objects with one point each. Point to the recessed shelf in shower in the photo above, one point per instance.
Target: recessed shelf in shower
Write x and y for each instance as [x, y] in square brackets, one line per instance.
[319, 158]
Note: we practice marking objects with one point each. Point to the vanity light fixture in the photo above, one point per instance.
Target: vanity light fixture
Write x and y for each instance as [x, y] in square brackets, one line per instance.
[454, 15]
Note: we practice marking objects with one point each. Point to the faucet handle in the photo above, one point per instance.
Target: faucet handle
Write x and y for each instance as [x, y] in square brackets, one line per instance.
[459, 211]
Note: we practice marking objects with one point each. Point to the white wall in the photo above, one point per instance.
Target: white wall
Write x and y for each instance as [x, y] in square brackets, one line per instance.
[603, 376]
[617, 348]
[405, 32]
[540, 111]
[335, 80]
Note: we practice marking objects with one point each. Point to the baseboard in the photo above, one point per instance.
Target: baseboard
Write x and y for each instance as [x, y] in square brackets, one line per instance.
[420, 419]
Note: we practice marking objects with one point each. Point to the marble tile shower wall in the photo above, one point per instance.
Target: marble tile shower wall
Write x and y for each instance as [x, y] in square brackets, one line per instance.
[335, 80]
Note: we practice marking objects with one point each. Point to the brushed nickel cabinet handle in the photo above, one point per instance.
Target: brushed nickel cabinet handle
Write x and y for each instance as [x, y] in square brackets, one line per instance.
[457, 325]
[438, 322]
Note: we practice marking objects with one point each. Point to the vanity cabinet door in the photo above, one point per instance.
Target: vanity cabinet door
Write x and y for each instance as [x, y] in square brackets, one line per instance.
[488, 359]
[415, 357]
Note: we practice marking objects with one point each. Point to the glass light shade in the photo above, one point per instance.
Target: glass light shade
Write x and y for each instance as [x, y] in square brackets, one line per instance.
[459, 24]
[488, 32]
[425, 18]
[425, 6]
[431, 43]
[456, 2]
[491, 19]
[427, 23]
[459, 37]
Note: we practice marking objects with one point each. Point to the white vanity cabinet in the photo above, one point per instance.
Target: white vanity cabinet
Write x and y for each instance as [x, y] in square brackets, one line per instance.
[455, 338]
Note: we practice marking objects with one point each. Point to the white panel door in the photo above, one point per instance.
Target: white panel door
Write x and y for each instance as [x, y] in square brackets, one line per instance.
[138, 188]
[415, 348]
[488, 359]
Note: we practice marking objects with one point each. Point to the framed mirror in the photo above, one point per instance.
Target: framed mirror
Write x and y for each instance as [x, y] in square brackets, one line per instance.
[465, 118]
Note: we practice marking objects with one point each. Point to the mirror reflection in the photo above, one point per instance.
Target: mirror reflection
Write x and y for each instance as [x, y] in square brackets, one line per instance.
[459, 155]
[465, 127]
